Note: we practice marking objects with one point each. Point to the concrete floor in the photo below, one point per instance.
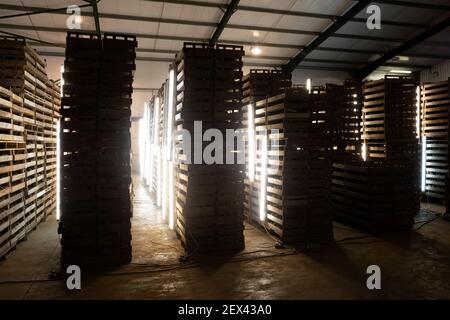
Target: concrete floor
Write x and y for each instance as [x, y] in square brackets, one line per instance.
[414, 265]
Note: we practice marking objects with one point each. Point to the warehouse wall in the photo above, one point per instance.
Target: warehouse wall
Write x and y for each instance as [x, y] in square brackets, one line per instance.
[440, 72]
[318, 77]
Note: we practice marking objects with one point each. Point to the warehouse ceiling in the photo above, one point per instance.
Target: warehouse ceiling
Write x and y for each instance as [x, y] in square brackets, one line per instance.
[281, 29]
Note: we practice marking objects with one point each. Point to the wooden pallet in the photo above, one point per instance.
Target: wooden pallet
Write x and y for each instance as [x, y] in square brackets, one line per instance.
[436, 167]
[95, 150]
[25, 114]
[209, 198]
[261, 83]
[389, 116]
[299, 163]
[435, 104]
[376, 196]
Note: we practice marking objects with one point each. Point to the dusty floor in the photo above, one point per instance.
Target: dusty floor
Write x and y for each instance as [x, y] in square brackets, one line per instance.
[413, 265]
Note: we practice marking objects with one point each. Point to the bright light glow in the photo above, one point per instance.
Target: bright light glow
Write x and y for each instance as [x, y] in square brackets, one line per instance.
[424, 162]
[401, 71]
[402, 58]
[62, 79]
[148, 148]
[78, 19]
[154, 145]
[309, 85]
[58, 168]
[158, 178]
[251, 143]
[418, 101]
[142, 142]
[171, 196]
[165, 182]
[364, 152]
[263, 179]
[58, 157]
[170, 114]
[256, 34]
[256, 51]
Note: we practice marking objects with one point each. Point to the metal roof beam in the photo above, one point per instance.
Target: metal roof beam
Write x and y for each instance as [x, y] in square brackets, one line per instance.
[212, 24]
[413, 4]
[34, 10]
[96, 18]
[38, 43]
[367, 70]
[249, 64]
[354, 10]
[231, 9]
[225, 41]
[287, 12]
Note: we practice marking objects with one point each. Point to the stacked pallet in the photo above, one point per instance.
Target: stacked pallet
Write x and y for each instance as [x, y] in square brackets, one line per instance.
[209, 197]
[12, 171]
[158, 145]
[389, 118]
[257, 85]
[95, 150]
[290, 191]
[50, 147]
[261, 83]
[334, 113]
[376, 195]
[435, 104]
[23, 71]
[352, 113]
[153, 118]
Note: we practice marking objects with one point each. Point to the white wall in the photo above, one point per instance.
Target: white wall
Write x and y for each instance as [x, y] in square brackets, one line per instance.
[318, 77]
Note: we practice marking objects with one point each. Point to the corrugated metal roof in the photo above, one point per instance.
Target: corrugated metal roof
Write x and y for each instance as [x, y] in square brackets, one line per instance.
[160, 37]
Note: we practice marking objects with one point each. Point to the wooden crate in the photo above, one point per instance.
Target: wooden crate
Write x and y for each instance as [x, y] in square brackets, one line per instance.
[435, 103]
[13, 181]
[389, 118]
[209, 198]
[376, 195]
[95, 150]
[436, 167]
[299, 163]
[352, 116]
[261, 83]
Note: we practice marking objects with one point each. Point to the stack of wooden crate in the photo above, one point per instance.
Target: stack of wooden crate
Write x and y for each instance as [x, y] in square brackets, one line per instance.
[382, 193]
[95, 150]
[209, 197]
[261, 83]
[376, 195]
[435, 104]
[12, 170]
[390, 118]
[23, 72]
[352, 114]
[257, 85]
[335, 113]
[290, 193]
[50, 147]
